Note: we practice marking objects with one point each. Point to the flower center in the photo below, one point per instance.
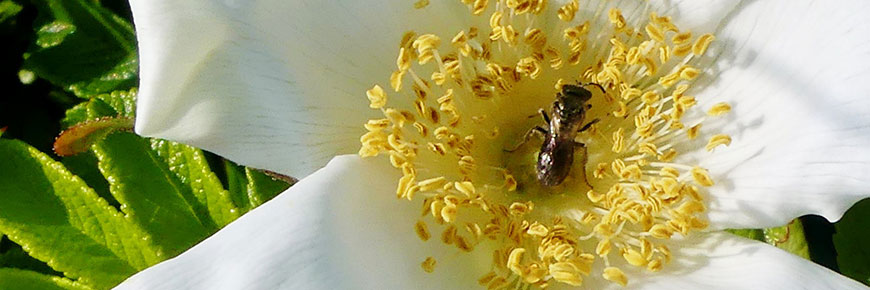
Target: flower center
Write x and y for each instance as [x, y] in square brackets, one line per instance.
[457, 130]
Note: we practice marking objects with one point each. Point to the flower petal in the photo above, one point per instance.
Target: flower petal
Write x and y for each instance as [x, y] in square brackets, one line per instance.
[272, 84]
[339, 228]
[724, 261]
[795, 75]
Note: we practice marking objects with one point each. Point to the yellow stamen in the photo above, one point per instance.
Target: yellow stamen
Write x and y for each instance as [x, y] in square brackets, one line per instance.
[420, 4]
[719, 109]
[377, 97]
[716, 140]
[422, 231]
[701, 176]
[428, 265]
[700, 46]
[634, 257]
[487, 80]
[615, 275]
[693, 131]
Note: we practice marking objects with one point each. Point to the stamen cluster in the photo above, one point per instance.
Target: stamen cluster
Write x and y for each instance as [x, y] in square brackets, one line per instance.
[457, 105]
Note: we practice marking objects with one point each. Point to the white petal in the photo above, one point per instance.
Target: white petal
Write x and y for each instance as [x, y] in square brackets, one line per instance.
[339, 228]
[795, 73]
[272, 84]
[723, 261]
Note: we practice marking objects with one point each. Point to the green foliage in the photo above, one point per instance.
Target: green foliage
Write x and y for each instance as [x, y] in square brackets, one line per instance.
[191, 169]
[83, 48]
[60, 220]
[91, 220]
[790, 238]
[8, 10]
[12, 255]
[153, 195]
[754, 234]
[852, 241]
[170, 199]
[84, 166]
[114, 104]
[250, 188]
[29, 280]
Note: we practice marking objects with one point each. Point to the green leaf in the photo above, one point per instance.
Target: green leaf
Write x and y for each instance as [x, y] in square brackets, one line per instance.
[790, 238]
[8, 10]
[192, 169]
[25, 280]
[83, 48]
[262, 188]
[153, 196]
[754, 234]
[117, 103]
[250, 188]
[122, 102]
[237, 183]
[185, 179]
[98, 108]
[852, 242]
[85, 167]
[53, 34]
[13, 256]
[75, 115]
[57, 219]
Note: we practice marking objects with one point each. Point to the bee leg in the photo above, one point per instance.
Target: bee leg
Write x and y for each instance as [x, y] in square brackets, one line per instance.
[544, 115]
[537, 129]
[586, 127]
[581, 146]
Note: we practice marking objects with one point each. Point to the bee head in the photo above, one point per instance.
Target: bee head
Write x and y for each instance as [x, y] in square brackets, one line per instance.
[572, 100]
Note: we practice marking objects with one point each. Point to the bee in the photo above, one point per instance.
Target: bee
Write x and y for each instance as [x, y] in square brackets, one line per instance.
[564, 122]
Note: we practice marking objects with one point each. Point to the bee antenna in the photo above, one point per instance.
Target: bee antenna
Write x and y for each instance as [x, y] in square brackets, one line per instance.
[594, 84]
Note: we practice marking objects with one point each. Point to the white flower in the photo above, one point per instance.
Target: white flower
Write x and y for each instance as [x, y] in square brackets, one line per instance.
[280, 85]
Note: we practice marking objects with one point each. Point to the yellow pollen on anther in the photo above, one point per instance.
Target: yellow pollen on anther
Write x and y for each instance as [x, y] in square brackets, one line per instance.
[701, 176]
[669, 172]
[682, 50]
[514, 260]
[422, 230]
[458, 125]
[428, 264]
[567, 11]
[700, 46]
[603, 248]
[634, 257]
[615, 275]
[420, 4]
[377, 97]
[689, 73]
[681, 38]
[567, 272]
[616, 18]
[694, 131]
[396, 80]
[650, 97]
[719, 109]
[618, 140]
[716, 140]
[432, 183]
[519, 209]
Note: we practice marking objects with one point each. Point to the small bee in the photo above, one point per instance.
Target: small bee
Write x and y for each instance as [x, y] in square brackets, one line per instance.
[557, 151]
